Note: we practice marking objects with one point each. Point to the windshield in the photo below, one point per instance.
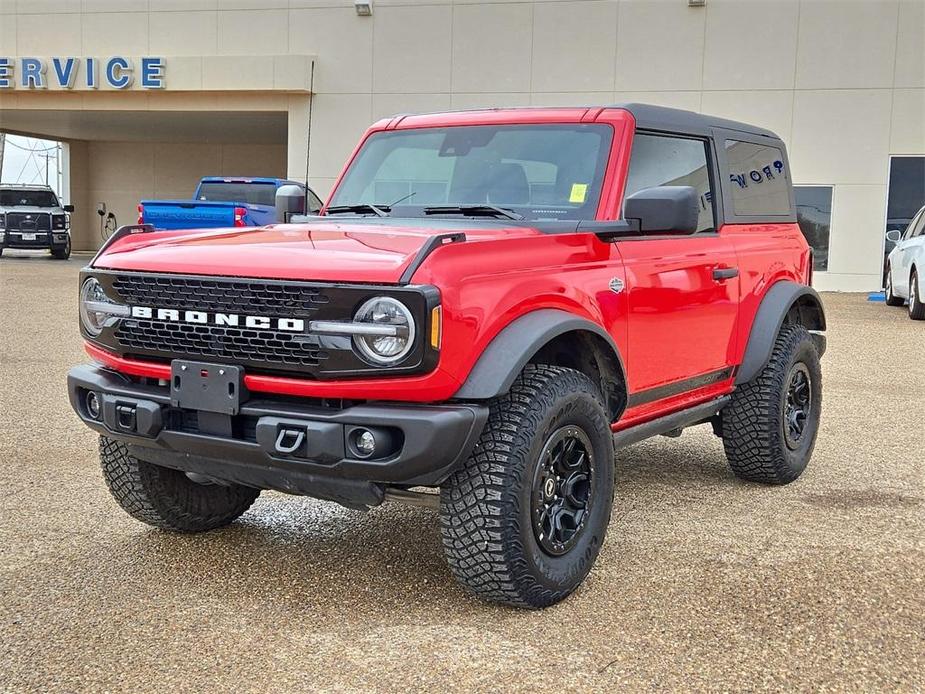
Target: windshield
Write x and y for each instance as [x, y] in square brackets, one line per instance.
[539, 172]
[28, 198]
[249, 193]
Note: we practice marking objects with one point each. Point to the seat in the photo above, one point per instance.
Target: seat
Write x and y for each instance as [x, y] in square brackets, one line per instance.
[508, 184]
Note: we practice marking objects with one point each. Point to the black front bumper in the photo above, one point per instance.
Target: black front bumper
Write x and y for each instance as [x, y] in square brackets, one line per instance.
[250, 448]
[44, 240]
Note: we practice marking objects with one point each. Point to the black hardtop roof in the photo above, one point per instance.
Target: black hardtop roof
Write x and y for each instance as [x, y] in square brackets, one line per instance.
[650, 117]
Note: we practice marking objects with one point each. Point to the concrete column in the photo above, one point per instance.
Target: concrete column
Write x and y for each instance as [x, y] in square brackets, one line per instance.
[76, 191]
[298, 136]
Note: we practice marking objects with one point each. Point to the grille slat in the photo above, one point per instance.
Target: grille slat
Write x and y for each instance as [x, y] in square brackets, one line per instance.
[221, 296]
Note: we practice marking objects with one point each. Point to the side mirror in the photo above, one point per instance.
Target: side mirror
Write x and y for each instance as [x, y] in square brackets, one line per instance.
[290, 200]
[68, 208]
[894, 236]
[669, 210]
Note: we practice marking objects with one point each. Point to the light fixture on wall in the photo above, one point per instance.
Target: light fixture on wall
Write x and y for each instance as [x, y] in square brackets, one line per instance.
[696, 3]
[364, 8]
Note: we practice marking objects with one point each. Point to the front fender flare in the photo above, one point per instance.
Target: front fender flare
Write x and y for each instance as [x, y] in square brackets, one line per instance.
[511, 349]
[777, 304]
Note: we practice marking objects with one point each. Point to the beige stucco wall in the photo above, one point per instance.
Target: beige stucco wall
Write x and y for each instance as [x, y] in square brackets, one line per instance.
[842, 81]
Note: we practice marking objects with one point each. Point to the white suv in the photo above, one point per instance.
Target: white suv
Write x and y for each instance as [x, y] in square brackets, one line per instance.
[32, 217]
[906, 267]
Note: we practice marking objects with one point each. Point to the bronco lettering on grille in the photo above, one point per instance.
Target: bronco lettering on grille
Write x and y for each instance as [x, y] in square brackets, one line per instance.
[234, 320]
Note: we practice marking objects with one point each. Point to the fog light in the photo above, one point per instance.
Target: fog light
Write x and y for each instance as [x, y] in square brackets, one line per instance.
[365, 442]
[93, 405]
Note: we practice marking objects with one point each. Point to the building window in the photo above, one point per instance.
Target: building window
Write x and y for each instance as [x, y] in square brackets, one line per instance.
[814, 215]
[758, 178]
[672, 161]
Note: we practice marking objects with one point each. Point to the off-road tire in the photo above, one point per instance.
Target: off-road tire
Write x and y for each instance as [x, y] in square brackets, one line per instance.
[753, 424]
[916, 305]
[888, 295]
[62, 253]
[166, 498]
[486, 517]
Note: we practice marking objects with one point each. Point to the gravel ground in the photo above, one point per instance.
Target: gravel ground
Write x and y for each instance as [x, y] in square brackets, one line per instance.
[705, 583]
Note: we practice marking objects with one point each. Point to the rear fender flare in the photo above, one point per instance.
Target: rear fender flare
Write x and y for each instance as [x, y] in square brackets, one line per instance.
[784, 302]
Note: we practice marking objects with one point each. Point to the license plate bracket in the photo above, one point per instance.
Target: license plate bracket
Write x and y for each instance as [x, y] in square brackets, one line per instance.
[197, 385]
[28, 237]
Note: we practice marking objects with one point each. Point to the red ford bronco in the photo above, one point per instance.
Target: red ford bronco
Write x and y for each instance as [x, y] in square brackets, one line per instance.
[488, 304]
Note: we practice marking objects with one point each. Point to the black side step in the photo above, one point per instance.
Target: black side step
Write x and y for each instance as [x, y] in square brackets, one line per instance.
[697, 414]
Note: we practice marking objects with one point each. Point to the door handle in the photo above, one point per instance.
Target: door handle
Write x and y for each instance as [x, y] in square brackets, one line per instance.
[720, 274]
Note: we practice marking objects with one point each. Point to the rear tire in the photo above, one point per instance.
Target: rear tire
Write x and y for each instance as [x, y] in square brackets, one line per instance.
[523, 519]
[916, 306]
[167, 498]
[890, 298]
[769, 428]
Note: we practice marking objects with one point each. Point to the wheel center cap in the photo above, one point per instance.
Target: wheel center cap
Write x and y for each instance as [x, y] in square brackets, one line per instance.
[549, 489]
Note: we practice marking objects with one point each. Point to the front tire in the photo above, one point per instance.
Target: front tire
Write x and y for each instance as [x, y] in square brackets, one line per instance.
[62, 253]
[890, 298]
[916, 307]
[769, 428]
[523, 520]
[167, 498]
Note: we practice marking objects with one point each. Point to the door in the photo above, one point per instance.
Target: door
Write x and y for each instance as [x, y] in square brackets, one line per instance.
[683, 291]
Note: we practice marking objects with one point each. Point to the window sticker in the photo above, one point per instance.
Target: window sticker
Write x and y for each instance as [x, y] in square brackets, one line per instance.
[579, 192]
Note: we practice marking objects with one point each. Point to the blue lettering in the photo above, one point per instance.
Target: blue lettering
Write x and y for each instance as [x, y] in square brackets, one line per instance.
[755, 176]
[33, 73]
[66, 73]
[118, 73]
[740, 179]
[152, 73]
[90, 67]
[767, 173]
[6, 73]
[779, 165]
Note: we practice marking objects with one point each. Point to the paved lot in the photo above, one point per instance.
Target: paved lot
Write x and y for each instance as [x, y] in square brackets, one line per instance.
[704, 582]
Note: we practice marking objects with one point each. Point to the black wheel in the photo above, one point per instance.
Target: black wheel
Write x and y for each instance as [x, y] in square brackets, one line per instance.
[62, 253]
[524, 519]
[166, 498]
[769, 428]
[889, 296]
[916, 306]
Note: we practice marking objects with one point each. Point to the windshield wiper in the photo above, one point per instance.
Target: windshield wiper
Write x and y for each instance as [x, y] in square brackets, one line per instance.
[378, 210]
[475, 211]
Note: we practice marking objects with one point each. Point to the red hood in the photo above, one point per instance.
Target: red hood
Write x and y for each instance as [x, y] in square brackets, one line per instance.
[326, 252]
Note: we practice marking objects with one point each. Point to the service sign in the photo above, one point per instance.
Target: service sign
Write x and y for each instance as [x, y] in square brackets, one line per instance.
[114, 72]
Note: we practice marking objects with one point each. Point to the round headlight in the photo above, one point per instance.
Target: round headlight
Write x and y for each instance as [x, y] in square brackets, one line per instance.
[391, 333]
[93, 307]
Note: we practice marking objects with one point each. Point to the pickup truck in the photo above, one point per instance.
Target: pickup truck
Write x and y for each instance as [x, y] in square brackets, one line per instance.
[221, 202]
[489, 304]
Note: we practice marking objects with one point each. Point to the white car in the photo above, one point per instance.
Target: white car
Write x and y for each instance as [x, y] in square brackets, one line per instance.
[905, 275]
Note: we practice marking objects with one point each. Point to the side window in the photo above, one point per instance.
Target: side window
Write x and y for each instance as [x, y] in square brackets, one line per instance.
[660, 160]
[758, 178]
[314, 202]
[919, 229]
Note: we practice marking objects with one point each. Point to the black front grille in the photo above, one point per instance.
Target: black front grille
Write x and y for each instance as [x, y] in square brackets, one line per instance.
[28, 221]
[253, 297]
[269, 347]
[210, 323]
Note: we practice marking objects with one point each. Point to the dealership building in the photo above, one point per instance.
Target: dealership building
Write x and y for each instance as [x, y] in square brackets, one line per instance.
[149, 95]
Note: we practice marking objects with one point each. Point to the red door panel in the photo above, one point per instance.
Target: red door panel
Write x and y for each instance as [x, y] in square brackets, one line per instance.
[681, 321]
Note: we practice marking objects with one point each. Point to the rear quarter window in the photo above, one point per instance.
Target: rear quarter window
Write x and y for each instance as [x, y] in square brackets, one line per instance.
[758, 179]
